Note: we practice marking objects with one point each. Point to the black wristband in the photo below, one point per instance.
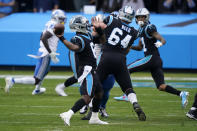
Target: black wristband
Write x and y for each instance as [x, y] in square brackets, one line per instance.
[99, 31]
[62, 38]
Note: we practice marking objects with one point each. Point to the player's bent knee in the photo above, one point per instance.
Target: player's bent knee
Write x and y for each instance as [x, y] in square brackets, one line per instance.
[86, 98]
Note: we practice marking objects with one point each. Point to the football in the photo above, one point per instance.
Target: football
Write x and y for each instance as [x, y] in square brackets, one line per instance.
[59, 29]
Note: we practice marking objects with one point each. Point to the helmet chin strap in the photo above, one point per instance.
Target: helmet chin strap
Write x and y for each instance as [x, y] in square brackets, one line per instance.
[140, 23]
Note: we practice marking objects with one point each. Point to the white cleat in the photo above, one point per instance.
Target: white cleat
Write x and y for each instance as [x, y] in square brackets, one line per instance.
[97, 121]
[37, 92]
[66, 118]
[9, 83]
[60, 90]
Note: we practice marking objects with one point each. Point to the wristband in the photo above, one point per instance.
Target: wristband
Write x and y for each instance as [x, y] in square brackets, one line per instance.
[62, 38]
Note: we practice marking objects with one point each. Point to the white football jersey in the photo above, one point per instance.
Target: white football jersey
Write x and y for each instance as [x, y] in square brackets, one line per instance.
[52, 41]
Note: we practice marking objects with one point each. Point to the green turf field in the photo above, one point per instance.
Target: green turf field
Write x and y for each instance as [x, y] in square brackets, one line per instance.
[20, 111]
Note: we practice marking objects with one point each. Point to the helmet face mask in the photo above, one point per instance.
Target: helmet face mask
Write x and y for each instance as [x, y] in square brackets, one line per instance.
[59, 16]
[126, 14]
[79, 24]
[143, 12]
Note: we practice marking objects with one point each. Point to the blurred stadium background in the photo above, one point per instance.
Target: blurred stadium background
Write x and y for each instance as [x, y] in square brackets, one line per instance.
[20, 32]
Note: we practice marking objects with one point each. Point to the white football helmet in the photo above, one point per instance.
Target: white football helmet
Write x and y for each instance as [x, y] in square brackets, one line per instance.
[79, 23]
[59, 16]
[142, 12]
[126, 13]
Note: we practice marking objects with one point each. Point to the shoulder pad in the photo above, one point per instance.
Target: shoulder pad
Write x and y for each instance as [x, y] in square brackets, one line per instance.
[78, 41]
[75, 40]
[108, 20]
[50, 24]
[150, 29]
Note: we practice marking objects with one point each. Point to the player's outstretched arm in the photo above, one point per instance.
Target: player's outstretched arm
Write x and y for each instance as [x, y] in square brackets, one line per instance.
[69, 45]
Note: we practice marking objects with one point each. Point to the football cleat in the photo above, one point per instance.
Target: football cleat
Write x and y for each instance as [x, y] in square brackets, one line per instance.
[88, 116]
[37, 92]
[66, 118]
[139, 111]
[103, 112]
[84, 109]
[121, 98]
[97, 121]
[192, 114]
[184, 97]
[60, 90]
[9, 81]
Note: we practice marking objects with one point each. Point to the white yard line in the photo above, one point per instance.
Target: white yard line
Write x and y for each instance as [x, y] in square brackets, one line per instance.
[133, 78]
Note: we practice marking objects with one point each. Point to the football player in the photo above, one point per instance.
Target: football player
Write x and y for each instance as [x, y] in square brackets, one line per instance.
[47, 52]
[119, 38]
[107, 84]
[150, 41]
[83, 63]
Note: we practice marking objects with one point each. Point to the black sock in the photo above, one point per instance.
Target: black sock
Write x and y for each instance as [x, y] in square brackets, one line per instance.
[95, 104]
[70, 81]
[195, 101]
[78, 105]
[172, 90]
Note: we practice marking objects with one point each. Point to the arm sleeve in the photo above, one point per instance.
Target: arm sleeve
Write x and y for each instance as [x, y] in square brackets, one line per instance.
[44, 38]
[77, 40]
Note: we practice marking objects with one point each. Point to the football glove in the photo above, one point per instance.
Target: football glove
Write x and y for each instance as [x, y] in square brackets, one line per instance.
[158, 44]
[54, 58]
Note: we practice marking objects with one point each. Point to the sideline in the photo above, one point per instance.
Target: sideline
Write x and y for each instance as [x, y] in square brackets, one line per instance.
[190, 82]
[133, 78]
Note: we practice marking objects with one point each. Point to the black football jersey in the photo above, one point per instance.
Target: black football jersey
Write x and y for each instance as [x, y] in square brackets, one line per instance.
[147, 40]
[86, 54]
[119, 36]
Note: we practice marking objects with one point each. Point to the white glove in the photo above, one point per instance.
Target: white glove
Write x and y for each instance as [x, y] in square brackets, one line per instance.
[158, 44]
[53, 57]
